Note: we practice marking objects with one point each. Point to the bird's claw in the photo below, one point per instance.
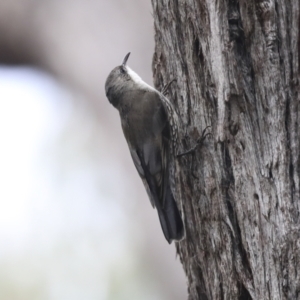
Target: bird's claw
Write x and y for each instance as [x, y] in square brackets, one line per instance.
[198, 143]
[166, 87]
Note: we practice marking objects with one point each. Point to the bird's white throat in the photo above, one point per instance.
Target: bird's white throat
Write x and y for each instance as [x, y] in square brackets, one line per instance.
[138, 80]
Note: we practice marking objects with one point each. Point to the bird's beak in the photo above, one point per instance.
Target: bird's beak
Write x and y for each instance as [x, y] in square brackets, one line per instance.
[125, 59]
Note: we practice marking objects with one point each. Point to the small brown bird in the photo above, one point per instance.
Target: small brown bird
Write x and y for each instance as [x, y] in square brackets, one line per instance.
[147, 119]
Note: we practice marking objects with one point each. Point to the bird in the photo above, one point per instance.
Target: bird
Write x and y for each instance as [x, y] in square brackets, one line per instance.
[148, 122]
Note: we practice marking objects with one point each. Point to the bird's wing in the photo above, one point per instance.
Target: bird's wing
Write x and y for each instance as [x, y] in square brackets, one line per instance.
[156, 178]
[138, 165]
[151, 162]
[147, 143]
[148, 126]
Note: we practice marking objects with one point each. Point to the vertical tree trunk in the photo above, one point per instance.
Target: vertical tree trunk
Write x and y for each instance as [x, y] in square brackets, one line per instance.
[236, 63]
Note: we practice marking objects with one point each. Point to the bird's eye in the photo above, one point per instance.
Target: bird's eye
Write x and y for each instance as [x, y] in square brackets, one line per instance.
[122, 70]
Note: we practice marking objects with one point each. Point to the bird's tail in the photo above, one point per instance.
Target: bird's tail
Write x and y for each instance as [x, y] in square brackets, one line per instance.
[170, 219]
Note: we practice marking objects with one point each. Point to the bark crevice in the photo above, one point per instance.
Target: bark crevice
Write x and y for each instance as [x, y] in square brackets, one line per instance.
[236, 63]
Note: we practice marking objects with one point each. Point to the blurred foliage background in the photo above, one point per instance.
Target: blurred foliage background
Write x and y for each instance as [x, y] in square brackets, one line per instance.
[75, 220]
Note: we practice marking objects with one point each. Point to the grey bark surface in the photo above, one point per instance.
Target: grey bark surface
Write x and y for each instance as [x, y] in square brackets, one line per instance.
[236, 63]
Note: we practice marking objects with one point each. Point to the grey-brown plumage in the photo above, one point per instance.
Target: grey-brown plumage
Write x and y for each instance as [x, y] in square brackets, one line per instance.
[148, 124]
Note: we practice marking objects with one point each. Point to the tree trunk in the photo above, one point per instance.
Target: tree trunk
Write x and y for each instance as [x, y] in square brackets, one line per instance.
[236, 63]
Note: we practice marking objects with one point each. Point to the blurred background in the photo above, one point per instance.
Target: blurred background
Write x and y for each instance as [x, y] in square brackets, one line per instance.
[75, 220]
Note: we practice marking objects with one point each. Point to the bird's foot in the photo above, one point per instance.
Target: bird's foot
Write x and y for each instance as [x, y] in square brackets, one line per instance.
[166, 87]
[198, 143]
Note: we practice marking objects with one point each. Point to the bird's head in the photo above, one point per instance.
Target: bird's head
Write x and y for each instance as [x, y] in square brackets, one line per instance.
[121, 80]
[117, 81]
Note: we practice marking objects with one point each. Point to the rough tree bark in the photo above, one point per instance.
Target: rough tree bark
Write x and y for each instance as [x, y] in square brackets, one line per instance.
[236, 63]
